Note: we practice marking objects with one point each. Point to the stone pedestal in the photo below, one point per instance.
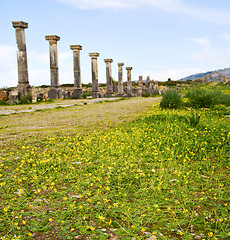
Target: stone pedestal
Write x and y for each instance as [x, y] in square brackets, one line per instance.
[23, 86]
[77, 70]
[129, 81]
[120, 80]
[109, 81]
[77, 93]
[95, 87]
[54, 77]
[53, 93]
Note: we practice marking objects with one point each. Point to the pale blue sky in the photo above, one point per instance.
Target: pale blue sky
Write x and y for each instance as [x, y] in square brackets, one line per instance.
[160, 38]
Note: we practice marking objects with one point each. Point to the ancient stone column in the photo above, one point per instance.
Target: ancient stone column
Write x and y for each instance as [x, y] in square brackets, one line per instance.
[147, 82]
[23, 79]
[77, 70]
[109, 80]
[140, 86]
[120, 80]
[54, 78]
[129, 81]
[95, 87]
[53, 59]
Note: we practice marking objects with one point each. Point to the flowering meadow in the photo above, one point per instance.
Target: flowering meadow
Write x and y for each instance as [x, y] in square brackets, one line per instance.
[155, 176]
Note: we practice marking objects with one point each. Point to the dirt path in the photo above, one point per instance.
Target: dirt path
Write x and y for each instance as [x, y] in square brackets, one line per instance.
[78, 117]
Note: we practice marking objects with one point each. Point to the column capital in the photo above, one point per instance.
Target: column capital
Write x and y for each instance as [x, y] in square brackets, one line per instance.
[120, 64]
[108, 60]
[94, 55]
[52, 38]
[129, 68]
[76, 47]
[20, 24]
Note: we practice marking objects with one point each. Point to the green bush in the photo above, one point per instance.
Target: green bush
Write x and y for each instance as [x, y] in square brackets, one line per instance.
[225, 99]
[86, 94]
[171, 99]
[201, 98]
[3, 103]
[25, 99]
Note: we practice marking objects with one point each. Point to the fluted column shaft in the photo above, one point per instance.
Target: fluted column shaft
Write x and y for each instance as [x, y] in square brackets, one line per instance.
[54, 77]
[120, 79]
[76, 65]
[109, 81]
[95, 87]
[129, 81]
[23, 79]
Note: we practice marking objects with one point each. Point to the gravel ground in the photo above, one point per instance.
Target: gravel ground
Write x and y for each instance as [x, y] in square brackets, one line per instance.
[68, 117]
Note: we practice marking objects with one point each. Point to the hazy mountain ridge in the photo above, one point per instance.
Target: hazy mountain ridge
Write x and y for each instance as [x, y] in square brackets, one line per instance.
[224, 72]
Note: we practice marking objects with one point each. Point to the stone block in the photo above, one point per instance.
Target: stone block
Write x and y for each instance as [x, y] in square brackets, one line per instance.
[40, 96]
[53, 93]
[77, 93]
[139, 92]
[66, 94]
[13, 97]
[60, 93]
[101, 95]
[95, 94]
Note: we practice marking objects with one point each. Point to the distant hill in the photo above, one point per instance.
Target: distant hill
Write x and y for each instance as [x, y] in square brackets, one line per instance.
[224, 72]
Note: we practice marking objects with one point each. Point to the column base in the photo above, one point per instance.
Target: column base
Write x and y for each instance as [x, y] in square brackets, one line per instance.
[77, 93]
[53, 93]
[23, 90]
[95, 94]
[109, 94]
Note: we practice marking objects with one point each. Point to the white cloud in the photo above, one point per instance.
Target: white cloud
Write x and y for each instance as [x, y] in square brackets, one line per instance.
[203, 42]
[174, 6]
[209, 55]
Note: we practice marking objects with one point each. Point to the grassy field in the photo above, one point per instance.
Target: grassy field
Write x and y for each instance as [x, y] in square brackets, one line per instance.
[120, 170]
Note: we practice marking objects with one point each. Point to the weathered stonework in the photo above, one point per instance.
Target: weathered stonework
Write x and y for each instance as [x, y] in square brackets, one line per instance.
[95, 88]
[120, 80]
[77, 70]
[109, 81]
[129, 81]
[54, 77]
[3, 95]
[23, 86]
[13, 97]
[140, 87]
[53, 93]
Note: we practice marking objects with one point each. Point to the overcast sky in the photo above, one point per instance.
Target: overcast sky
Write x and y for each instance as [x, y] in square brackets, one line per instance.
[161, 38]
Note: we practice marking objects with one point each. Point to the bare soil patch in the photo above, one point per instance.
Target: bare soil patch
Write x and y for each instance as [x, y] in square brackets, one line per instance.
[61, 118]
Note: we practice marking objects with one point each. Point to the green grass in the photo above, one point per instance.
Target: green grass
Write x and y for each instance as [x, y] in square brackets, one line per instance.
[157, 175]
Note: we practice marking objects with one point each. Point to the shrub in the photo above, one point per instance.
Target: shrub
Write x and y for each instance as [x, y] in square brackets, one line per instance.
[225, 99]
[25, 99]
[201, 98]
[86, 94]
[171, 99]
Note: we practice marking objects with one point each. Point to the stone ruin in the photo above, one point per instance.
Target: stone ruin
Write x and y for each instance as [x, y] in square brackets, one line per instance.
[54, 91]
